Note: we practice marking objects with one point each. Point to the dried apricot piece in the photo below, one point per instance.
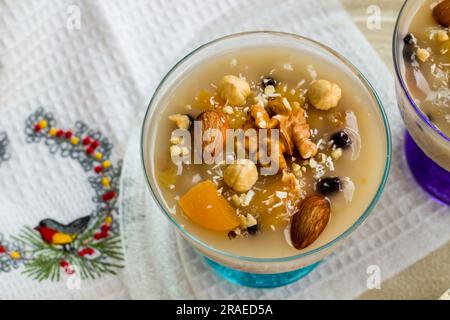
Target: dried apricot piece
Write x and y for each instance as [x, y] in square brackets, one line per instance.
[204, 206]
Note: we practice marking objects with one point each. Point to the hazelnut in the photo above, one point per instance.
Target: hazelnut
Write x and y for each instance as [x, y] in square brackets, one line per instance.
[324, 95]
[234, 90]
[241, 175]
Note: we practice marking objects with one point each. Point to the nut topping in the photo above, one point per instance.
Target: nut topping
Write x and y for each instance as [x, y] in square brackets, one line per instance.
[310, 220]
[241, 175]
[182, 121]
[280, 106]
[213, 120]
[441, 13]
[324, 94]
[234, 90]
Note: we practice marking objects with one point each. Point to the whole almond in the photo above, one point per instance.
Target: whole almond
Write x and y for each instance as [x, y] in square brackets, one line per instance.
[441, 13]
[213, 120]
[309, 221]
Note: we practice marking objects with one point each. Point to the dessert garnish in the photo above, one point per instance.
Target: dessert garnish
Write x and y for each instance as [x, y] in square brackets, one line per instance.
[309, 221]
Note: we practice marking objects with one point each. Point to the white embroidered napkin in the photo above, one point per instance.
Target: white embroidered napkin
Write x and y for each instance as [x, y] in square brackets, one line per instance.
[405, 226]
[48, 169]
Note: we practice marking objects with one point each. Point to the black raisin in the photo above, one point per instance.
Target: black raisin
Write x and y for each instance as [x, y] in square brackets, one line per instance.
[341, 139]
[252, 229]
[330, 185]
[269, 82]
[409, 53]
[232, 235]
[409, 39]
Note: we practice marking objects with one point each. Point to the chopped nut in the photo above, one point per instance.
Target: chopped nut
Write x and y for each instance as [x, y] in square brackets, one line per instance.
[441, 35]
[248, 198]
[176, 140]
[234, 90]
[324, 95]
[280, 106]
[236, 200]
[305, 146]
[184, 151]
[422, 54]
[175, 151]
[241, 175]
[228, 110]
[261, 117]
[296, 167]
[336, 154]
[291, 180]
[182, 121]
[323, 157]
[251, 221]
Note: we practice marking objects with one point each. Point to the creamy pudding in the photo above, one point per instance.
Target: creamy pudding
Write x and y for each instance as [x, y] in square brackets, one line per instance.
[330, 154]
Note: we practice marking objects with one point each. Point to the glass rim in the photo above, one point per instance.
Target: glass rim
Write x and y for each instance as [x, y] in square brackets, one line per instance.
[329, 244]
[399, 76]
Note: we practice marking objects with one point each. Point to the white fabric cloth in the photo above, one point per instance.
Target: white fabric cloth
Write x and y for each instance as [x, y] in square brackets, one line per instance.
[104, 73]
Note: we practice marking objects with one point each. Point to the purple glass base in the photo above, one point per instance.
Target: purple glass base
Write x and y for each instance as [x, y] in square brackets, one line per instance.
[431, 177]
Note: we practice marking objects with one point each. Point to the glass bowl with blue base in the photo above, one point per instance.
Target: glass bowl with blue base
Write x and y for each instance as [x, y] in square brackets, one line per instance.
[426, 147]
[247, 270]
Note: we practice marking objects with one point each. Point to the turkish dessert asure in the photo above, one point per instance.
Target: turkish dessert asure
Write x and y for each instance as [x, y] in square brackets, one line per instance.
[426, 55]
[326, 156]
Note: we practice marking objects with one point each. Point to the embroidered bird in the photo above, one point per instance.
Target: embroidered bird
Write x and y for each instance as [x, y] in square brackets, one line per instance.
[56, 233]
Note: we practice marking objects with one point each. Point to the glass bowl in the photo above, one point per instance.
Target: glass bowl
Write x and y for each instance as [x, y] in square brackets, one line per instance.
[251, 271]
[427, 148]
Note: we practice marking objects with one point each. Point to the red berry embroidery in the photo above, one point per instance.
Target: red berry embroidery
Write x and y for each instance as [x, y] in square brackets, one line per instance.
[105, 228]
[90, 150]
[68, 134]
[60, 133]
[109, 196]
[98, 236]
[37, 128]
[95, 144]
[63, 264]
[2, 249]
[98, 169]
[87, 141]
[86, 251]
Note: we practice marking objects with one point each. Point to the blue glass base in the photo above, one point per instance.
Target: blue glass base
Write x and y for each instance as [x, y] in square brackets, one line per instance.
[260, 280]
[430, 176]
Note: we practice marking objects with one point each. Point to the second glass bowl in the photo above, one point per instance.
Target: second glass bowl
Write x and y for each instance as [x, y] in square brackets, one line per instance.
[427, 148]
